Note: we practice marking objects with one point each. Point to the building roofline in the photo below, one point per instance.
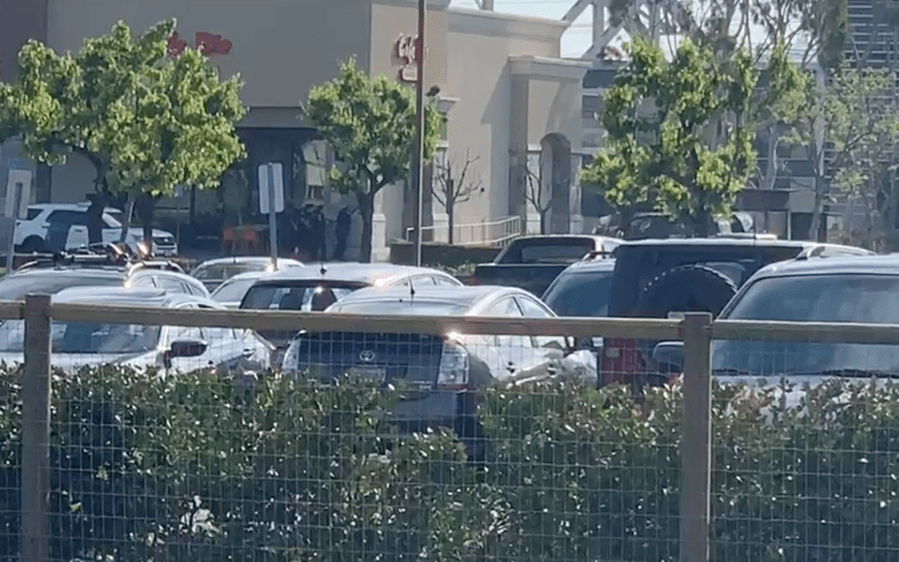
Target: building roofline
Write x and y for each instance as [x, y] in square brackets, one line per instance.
[465, 20]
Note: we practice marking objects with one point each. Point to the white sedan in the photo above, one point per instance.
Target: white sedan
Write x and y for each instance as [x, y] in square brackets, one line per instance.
[171, 349]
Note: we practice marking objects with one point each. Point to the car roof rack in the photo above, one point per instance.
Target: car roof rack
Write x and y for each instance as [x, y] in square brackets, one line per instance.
[99, 255]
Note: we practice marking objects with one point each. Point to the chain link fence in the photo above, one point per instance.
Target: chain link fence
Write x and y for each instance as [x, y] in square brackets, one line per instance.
[148, 434]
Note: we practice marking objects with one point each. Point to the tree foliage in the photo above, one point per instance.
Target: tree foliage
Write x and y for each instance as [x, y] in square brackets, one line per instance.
[847, 130]
[146, 122]
[679, 135]
[369, 124]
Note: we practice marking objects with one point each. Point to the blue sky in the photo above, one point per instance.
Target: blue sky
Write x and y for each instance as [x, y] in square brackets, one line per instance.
[576, 40]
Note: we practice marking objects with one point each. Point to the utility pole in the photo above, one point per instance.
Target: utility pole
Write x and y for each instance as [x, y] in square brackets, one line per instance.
[419, 156]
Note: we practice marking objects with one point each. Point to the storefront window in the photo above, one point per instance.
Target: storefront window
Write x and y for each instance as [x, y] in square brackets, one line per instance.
[315, 154]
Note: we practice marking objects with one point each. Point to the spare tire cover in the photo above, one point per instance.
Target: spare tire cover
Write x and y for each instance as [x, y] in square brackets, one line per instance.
[686, 288]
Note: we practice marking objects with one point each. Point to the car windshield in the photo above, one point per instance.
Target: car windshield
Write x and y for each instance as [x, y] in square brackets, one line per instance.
[233, 291]
[401, 308]
[311, 296]
[554, 253]
[15, 287]
[85, 338]
[580, 294]
[114, 219]
[859, 298]
[229, 270]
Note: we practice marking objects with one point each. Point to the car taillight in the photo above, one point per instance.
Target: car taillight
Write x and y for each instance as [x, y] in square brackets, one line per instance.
[452, 374]
[619, 361]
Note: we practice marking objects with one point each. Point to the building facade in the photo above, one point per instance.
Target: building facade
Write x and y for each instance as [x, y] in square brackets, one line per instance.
[513, 105]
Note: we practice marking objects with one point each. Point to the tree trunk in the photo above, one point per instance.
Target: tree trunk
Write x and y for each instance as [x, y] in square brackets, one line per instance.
[450, 221]
[771, 164]
[814, 230]
[367, 211]
[543, 221]
[126, 225]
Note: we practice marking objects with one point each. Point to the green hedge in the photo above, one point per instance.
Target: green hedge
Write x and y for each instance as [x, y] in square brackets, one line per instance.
[199, 469]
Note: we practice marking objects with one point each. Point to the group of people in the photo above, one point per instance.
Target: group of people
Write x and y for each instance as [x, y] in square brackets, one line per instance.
[304, 231]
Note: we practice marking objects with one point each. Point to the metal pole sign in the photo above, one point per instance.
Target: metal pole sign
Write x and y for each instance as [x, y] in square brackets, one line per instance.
[271, 202]
[418, 159]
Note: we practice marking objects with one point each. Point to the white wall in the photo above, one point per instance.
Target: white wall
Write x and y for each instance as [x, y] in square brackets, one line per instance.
[480, 44]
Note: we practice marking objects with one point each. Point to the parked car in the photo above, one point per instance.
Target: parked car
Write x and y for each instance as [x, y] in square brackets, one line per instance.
[533, 262]
[852, 289]
[230, 293]
[216, 271]
[442, 373]
[657, 278]
[51, 280]
[32, 231]
[169, 348]
[315, 288]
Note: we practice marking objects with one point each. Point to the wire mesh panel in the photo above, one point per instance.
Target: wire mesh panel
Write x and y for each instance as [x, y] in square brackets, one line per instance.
[188, 443]
[12, 335]
[806, 446]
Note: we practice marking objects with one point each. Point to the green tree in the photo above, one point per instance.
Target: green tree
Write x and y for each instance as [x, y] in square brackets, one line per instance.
[678, 134]
[369, 124]
[847, 129]
[146, 121]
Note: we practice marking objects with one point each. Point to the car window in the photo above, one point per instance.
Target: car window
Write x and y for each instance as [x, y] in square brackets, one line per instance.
[533, 310]
[68, 218]
[143, 281]
[216, 335]
[507, 308]
[856, 298]
[33, 214]
[567, 252]
[312, 297]
[580, 294]
[196, 289]
[171, 284]
[442, 281]
[233, 291]
[185, 333]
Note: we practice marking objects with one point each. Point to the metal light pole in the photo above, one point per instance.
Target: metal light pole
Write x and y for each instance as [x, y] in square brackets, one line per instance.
[419, 154]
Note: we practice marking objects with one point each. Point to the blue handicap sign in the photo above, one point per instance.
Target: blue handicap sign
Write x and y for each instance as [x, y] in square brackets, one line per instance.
[15, 164]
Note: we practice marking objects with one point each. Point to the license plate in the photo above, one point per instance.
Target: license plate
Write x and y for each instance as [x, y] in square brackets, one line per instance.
[376, 374]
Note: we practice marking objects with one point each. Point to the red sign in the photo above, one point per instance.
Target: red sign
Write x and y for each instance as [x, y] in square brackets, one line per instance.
[207, 43]
[407, 49]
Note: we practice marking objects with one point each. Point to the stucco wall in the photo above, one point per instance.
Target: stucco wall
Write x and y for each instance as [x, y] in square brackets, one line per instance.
[392, 19]
[478, 75]
[279, 48]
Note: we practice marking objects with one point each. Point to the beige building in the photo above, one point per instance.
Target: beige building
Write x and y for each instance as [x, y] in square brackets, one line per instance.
[513, 105]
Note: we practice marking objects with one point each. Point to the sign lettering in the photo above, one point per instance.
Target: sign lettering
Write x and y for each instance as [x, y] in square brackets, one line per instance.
[407, 50]
[208, 44]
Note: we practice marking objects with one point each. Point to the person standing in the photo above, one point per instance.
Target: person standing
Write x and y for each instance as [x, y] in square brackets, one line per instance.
[287, 235]
[342, 232]
[95, 219]
[319, 228]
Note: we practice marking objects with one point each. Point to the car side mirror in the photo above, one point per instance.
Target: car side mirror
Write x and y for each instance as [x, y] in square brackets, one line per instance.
[669, 353]
[184, 348]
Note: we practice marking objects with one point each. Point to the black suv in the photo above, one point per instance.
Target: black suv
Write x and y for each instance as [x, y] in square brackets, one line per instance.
[655, 278]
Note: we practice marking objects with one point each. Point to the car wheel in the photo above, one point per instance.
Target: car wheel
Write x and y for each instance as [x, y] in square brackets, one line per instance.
[32, 244]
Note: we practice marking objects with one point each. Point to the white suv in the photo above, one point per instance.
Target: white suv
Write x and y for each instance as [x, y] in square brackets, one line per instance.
[32, 232]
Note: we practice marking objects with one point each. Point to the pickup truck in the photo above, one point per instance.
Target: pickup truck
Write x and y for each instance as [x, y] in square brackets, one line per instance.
[533, 262]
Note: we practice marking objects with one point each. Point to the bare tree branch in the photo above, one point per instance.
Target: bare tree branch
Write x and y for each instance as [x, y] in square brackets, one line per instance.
[454, 186]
